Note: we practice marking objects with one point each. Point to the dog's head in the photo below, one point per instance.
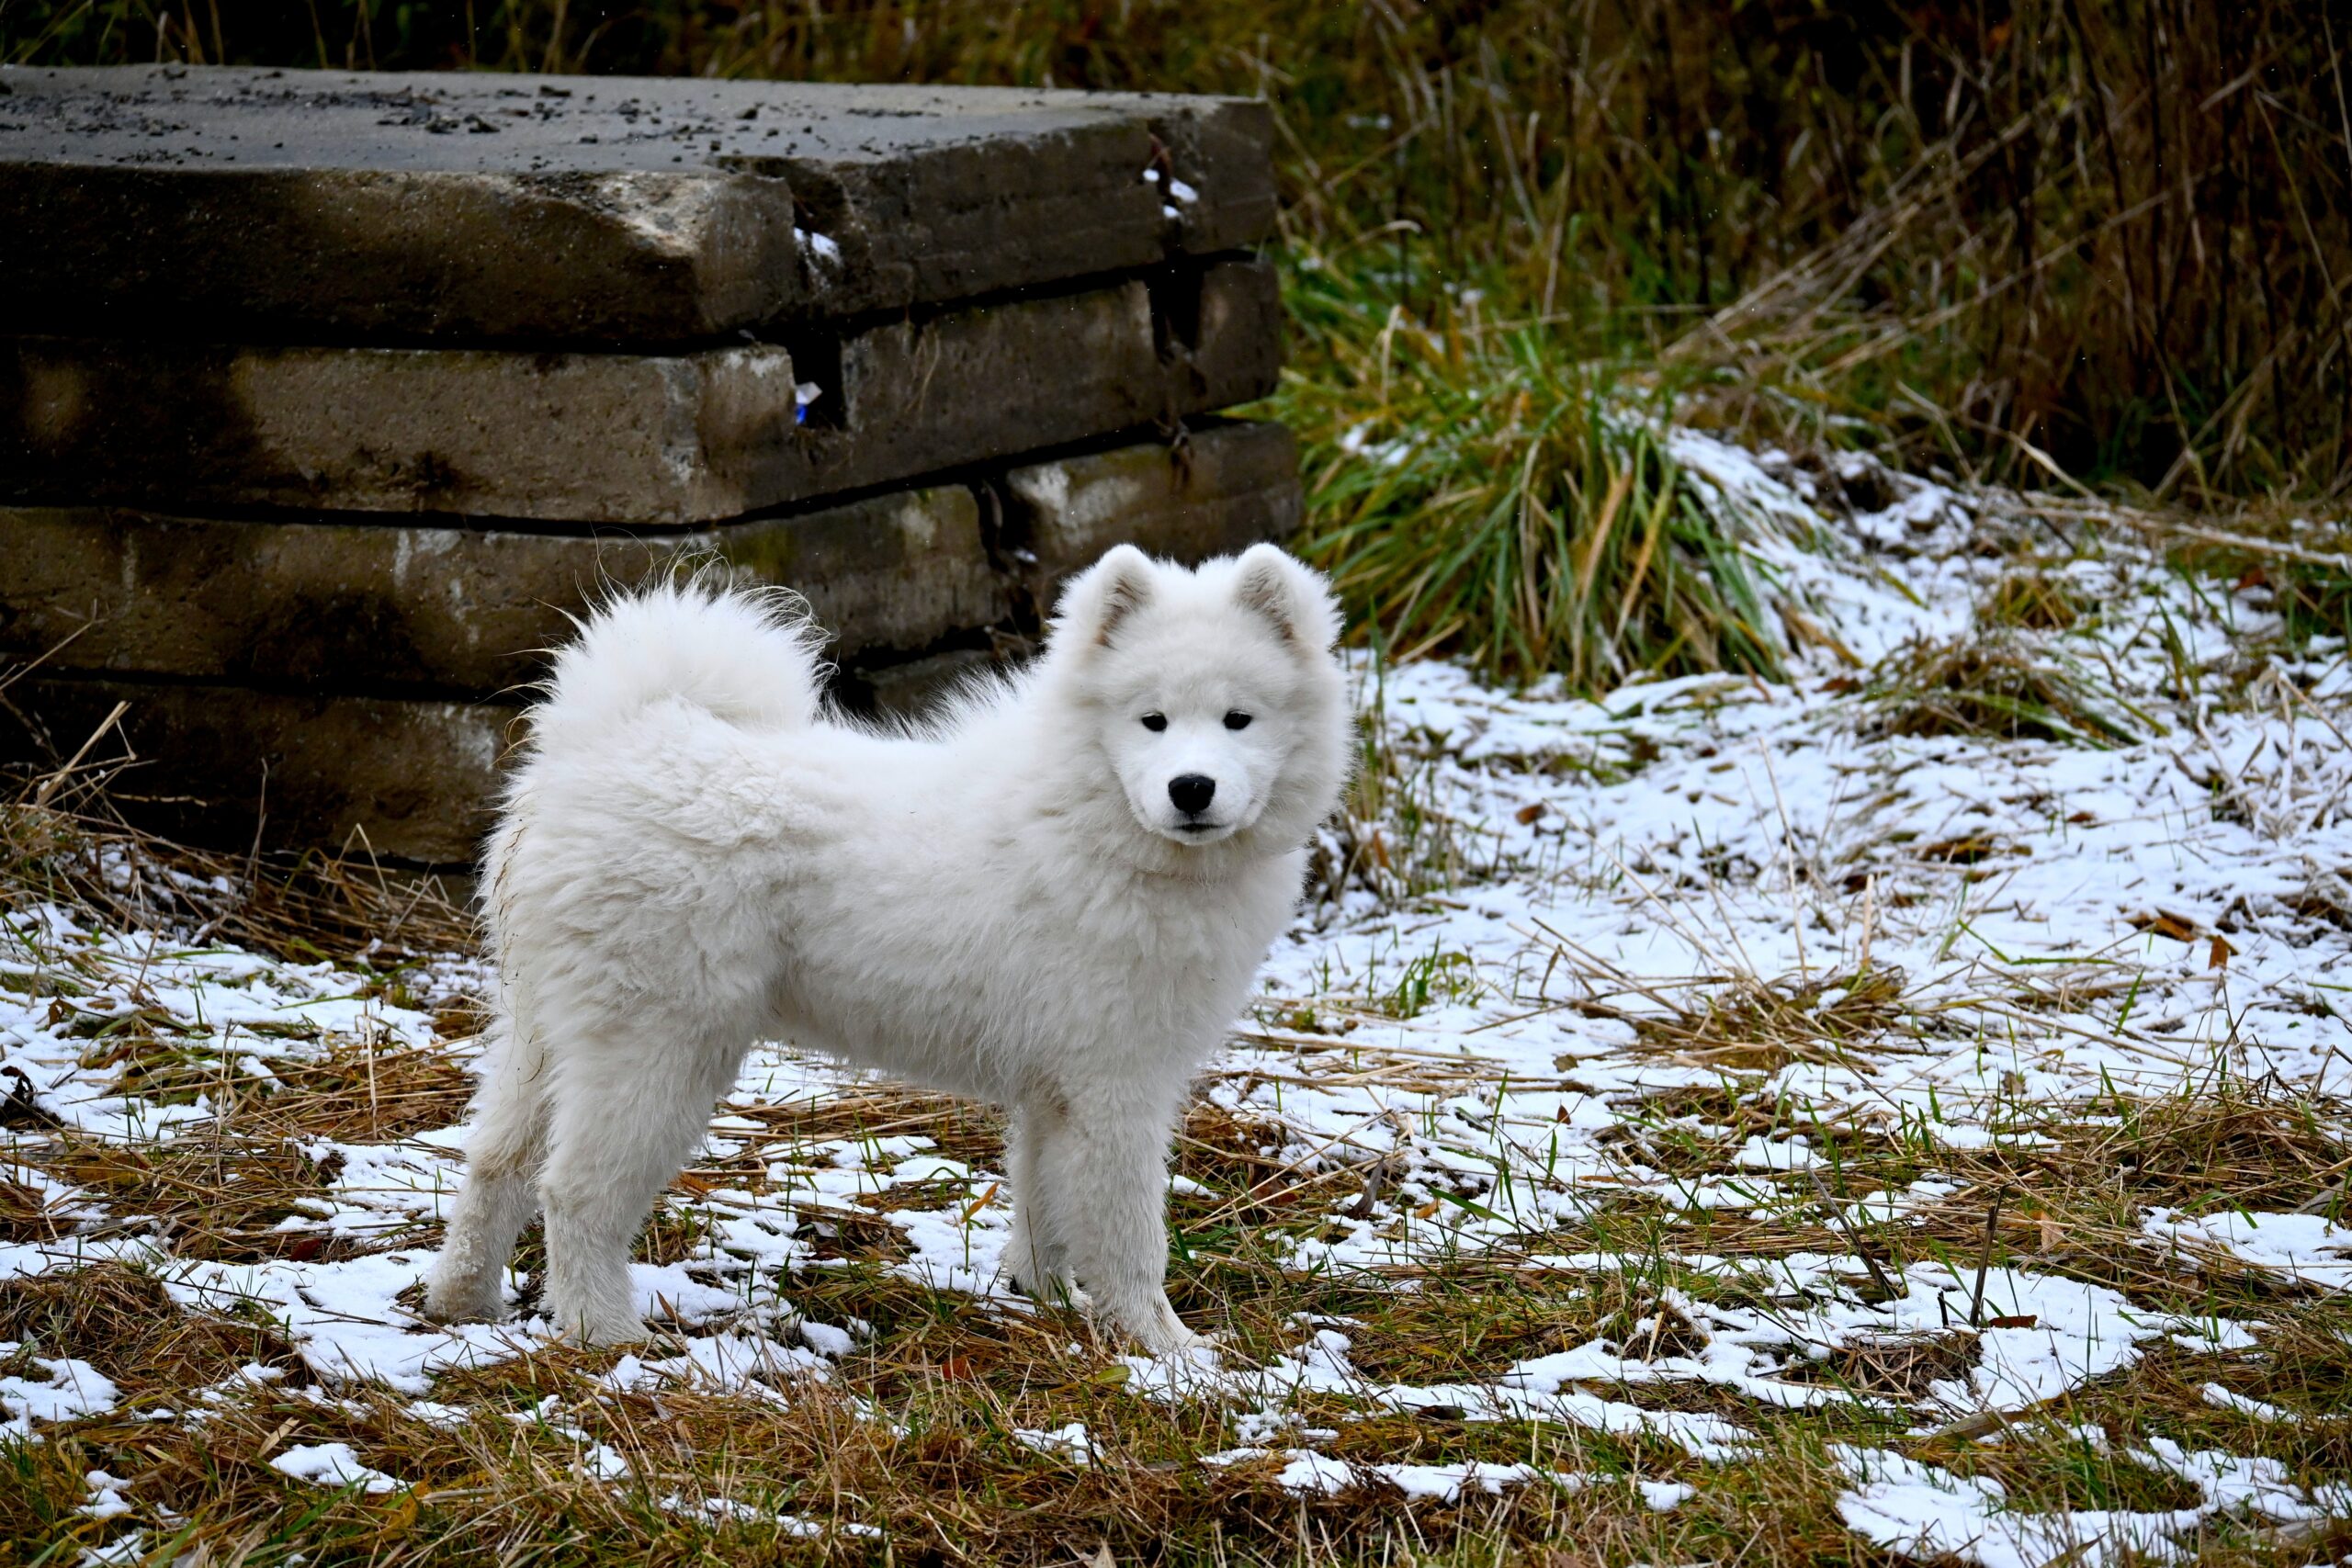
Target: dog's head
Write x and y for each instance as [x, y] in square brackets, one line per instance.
[1214, 694]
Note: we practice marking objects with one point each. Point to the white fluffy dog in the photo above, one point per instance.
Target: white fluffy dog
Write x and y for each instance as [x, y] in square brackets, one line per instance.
[1053, 898]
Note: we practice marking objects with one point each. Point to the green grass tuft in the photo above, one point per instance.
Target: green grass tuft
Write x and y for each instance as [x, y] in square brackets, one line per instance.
[1480, 492]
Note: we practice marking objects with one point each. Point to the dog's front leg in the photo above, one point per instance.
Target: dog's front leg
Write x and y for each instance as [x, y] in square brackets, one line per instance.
[1109, 1179]
[1038, 1255]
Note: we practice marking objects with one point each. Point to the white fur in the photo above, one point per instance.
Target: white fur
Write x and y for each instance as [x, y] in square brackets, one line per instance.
[1007, 903]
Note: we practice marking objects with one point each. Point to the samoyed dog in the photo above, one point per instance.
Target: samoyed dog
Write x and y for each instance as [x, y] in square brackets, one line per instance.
[1054, 897]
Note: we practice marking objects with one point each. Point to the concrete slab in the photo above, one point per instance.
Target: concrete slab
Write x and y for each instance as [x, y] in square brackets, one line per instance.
[1230, 485]
[237, 202]
[412, 781]
[641, 439]
[411, 609]
[361, 607]
[915, 688]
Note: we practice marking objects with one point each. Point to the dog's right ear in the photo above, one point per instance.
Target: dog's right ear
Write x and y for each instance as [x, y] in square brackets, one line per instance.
[1102, 596]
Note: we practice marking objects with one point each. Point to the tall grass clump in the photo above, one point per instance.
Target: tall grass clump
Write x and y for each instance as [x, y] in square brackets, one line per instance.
[1483, 493]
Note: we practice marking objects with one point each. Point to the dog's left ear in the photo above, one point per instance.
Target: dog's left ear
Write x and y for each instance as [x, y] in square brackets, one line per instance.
[1291, 594]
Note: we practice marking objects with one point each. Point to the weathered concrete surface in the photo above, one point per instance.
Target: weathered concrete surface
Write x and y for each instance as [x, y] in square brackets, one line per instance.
[1221, 333]
[412, 781]
[1232, 485]
[912, 688]
[404, 608]
[605, 437]
[1229, 486]
[408, 609]
[641, 439]
[239, 202]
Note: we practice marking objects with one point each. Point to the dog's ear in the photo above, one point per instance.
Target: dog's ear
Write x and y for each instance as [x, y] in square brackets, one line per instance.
[1289, 594]
[1105, 594]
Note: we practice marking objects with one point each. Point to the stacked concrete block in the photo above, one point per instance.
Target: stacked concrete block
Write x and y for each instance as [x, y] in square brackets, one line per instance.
[326, 398]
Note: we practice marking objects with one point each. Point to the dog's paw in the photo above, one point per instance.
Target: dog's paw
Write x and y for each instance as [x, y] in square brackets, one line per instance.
[597, 1329]
[1199, 1352]
[1167, 1336]
[1066, 1295]
[463, 1301]
[1051, 1290]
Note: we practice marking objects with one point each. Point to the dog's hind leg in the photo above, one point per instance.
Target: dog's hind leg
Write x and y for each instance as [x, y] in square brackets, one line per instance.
[626, 1116]
[1037, 1256]
[1110, 1176]
[496, 1202]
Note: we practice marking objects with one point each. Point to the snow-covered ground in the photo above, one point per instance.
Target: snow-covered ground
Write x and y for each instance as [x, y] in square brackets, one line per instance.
[1537, 982]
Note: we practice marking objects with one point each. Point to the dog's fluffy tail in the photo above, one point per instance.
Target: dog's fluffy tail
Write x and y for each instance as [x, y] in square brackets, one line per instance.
[744, 656]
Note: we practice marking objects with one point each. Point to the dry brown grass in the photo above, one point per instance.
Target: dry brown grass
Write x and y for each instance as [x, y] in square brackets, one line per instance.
[913, 1436]
[2034, 600]
[78, 852]
[126, 1325]
[1992, 683]
[1756, 1026]
[222, 1198]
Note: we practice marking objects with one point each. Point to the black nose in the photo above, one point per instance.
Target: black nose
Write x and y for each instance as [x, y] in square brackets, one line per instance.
[1192, 793]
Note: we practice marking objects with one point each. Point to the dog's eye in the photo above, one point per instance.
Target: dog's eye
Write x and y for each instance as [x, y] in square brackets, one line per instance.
[1237, 720]
[1155, 722]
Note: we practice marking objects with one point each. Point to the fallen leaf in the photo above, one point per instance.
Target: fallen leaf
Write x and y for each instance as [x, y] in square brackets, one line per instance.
[2051, 1233]
[17, 1108]
[1530, 813]
[2219, 954]
[2026, 1320]
[2164, 923]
